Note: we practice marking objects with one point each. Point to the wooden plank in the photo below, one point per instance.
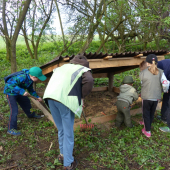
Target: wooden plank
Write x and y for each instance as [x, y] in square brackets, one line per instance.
[107, 57]
[138, 56]
[100, 89]
[119, 62]
[101, 119]
[100, 63]
[135, 111]
[100, 75]
[126, 69]
[66, 59]
[104, 88]
[34, 85]
[107, 118]
[49, 69]
[116, 89]
[111, 81]
[42, 108]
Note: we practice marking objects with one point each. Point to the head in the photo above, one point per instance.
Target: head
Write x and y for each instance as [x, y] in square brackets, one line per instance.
[35, 74]
[80, 59]
[128, 80]
[152, 61]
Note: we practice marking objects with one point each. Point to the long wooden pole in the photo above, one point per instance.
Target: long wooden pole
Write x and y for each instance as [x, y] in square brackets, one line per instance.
[43, 109]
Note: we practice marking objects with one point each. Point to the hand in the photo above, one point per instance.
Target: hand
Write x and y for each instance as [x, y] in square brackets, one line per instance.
[26, 94]
[39, 99]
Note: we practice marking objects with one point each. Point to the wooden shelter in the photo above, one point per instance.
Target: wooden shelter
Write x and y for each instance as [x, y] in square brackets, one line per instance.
[105, 65]
[102, 65]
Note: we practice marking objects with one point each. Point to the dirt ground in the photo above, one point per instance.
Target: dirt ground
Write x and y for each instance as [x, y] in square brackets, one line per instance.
[97, 104]
[100, 103]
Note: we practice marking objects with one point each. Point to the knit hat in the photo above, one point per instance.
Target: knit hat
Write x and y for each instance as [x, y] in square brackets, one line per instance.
[151, 57]
[128, 80]
[37, 72]
[80, 59]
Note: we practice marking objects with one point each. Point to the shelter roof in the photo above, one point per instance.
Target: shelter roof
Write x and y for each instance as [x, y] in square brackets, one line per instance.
[102, 55]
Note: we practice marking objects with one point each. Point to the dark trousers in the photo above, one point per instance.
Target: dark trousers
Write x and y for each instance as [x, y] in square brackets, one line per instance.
[149, 108]
[25, 104]
[123, 114]
[165, 110]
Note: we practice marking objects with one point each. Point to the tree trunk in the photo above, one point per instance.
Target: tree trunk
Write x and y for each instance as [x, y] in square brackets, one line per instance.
[27, 43]
[13, 57]
[8, 50]
[36, 52]
[60, 23]
[15, 35]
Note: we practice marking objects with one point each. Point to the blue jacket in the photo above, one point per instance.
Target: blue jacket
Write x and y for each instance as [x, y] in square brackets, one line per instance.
[17, 85]
[165, 66]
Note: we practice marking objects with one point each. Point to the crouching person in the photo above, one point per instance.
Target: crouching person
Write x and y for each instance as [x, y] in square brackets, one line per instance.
[15, 88]
[127, 95]
[65, 92]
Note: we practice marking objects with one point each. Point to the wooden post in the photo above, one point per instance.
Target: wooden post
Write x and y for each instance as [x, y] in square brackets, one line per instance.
[111, 81]
[34, 86]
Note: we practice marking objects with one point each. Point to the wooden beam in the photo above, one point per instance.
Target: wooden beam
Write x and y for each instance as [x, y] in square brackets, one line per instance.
[104, 88]
[100, 89]
[126, 69]
[116, 89]
[111, 75]
[117, 62]
[97, 75]
[43, 109]
[139, 55]
[34, 85]
[100, 75]
[100, 63]
[107, 57]
[49, 69]
[66, 59]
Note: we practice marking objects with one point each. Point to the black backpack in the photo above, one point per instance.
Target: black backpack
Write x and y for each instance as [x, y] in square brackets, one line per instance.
[12, 75]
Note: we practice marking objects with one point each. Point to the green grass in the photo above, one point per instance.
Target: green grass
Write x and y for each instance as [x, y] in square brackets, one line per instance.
[99, 148]
[124, 148]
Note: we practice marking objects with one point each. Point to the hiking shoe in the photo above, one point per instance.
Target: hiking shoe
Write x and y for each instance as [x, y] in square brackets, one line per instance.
[141, 122]
[73, 165]
[14, 132]
[159, 118]
[147, 134]
[60, 159]
[165, 129]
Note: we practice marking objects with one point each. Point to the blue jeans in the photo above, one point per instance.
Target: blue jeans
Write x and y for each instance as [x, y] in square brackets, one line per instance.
[64, 120]
[25, 104]
[165, 110]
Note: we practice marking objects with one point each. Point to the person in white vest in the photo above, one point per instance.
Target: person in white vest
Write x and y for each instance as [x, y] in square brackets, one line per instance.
[65, 92]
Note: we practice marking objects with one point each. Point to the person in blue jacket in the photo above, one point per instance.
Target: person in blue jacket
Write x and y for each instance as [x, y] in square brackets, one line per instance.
[15, 90]
[165, 110]
[165, 66]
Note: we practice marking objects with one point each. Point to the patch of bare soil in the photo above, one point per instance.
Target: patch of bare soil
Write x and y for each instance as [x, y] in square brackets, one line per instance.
[100, 103]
